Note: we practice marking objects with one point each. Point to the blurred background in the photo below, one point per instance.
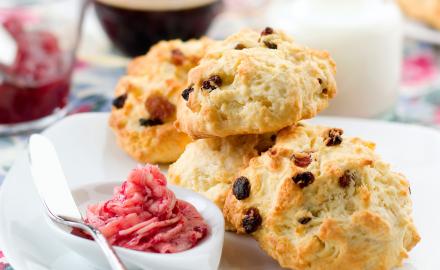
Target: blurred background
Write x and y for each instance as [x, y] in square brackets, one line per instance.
[60, 57]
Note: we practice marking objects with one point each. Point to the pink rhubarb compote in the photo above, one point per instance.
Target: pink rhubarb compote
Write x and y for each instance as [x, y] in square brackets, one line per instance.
[145, 215]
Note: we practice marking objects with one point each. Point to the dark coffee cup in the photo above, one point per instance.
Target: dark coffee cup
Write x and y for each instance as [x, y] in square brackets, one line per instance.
[134, 25]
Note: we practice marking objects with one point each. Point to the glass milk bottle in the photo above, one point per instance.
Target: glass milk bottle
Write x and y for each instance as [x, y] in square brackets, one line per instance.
[365, 39]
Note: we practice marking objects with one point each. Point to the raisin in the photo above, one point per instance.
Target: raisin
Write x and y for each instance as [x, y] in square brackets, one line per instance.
[334, 137]
[320, 81]
[150, 122]
[303, 179]
[273, 138]
[252, 220]
[270, 45]
[239, 46]
[325, 91]
[212, 83]
[241, 188]
[216, 79]
[186, 92]
[159, 107]
[304, 220]
[302, 159]
[267, 31]
[177, 57]
[119, 101]
[346, 179]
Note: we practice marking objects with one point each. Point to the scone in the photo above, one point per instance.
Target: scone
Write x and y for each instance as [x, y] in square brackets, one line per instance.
[427, 11]
[142, 119]
[254, 83]
[144, 108]
[319, 200]
[170, 59]
[208, 166]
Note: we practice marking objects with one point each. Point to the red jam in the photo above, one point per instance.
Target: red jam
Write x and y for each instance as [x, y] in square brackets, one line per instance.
[38, 81]
[145, 215]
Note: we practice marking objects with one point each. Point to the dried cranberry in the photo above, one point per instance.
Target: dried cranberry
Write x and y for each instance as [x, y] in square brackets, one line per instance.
[241, 188]
[177, 57]
[270, 45]
[334, 137]
[159, 107]
[303, 179]
[252, 220]
[239, 46]
[186, 92]
[346, 179]
[304, 220]
[302, 159]
[119, 101]
[267, 31]
[150, 122]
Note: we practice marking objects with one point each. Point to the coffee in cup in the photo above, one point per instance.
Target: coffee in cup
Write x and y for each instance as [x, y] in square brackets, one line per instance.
[135, 25]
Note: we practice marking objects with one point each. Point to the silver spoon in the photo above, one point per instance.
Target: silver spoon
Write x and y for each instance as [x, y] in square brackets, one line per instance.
[58, 201]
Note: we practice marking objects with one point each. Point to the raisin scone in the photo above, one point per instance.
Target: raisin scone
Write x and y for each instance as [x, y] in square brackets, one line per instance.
[170, 59]
[255, 83]
[318, 200]
[144, 108]
[426, 11]
[142, 119]
[208, 166]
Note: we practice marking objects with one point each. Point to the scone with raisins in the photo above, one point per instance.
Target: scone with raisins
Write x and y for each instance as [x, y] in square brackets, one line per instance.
[208, 166]
[319, 200]
[254, 83]
[170, 59]
[426, 11]
[145, 105]
[142, 119]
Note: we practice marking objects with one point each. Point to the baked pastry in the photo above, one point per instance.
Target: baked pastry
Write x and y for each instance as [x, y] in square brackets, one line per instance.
[144, 108]
[426, 11]
[254, 83]
[142, 119]
[319, 200]
[208, 166]
[170, 59]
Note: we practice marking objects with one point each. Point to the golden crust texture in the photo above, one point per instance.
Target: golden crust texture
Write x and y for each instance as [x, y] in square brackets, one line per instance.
[208, 166]
[255, 83]
[318, 200]
[146, 99]
[427, 11]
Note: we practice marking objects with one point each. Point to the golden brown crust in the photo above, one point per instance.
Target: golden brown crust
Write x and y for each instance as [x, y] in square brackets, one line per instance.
[152, 88]
[426, 11]
[344, 210]
[256, 89]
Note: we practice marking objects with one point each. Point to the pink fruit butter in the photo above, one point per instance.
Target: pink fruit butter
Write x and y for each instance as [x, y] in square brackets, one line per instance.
[145, 215]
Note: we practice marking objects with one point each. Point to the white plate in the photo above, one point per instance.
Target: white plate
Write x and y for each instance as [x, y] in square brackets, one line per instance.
[89, 146]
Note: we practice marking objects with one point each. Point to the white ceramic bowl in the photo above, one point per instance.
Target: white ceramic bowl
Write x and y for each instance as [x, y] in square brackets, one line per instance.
[206, 254]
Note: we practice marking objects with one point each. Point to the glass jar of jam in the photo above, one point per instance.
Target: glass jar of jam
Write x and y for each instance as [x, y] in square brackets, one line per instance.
[40, 39]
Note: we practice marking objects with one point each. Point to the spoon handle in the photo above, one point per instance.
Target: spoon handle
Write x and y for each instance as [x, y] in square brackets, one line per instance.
[109, 252]
[112, 258]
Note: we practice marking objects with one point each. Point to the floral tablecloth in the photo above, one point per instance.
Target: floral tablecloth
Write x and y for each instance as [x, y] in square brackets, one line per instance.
[93, 87]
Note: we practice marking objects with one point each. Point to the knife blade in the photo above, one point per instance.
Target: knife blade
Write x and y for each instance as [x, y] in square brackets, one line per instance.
[49, 178]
